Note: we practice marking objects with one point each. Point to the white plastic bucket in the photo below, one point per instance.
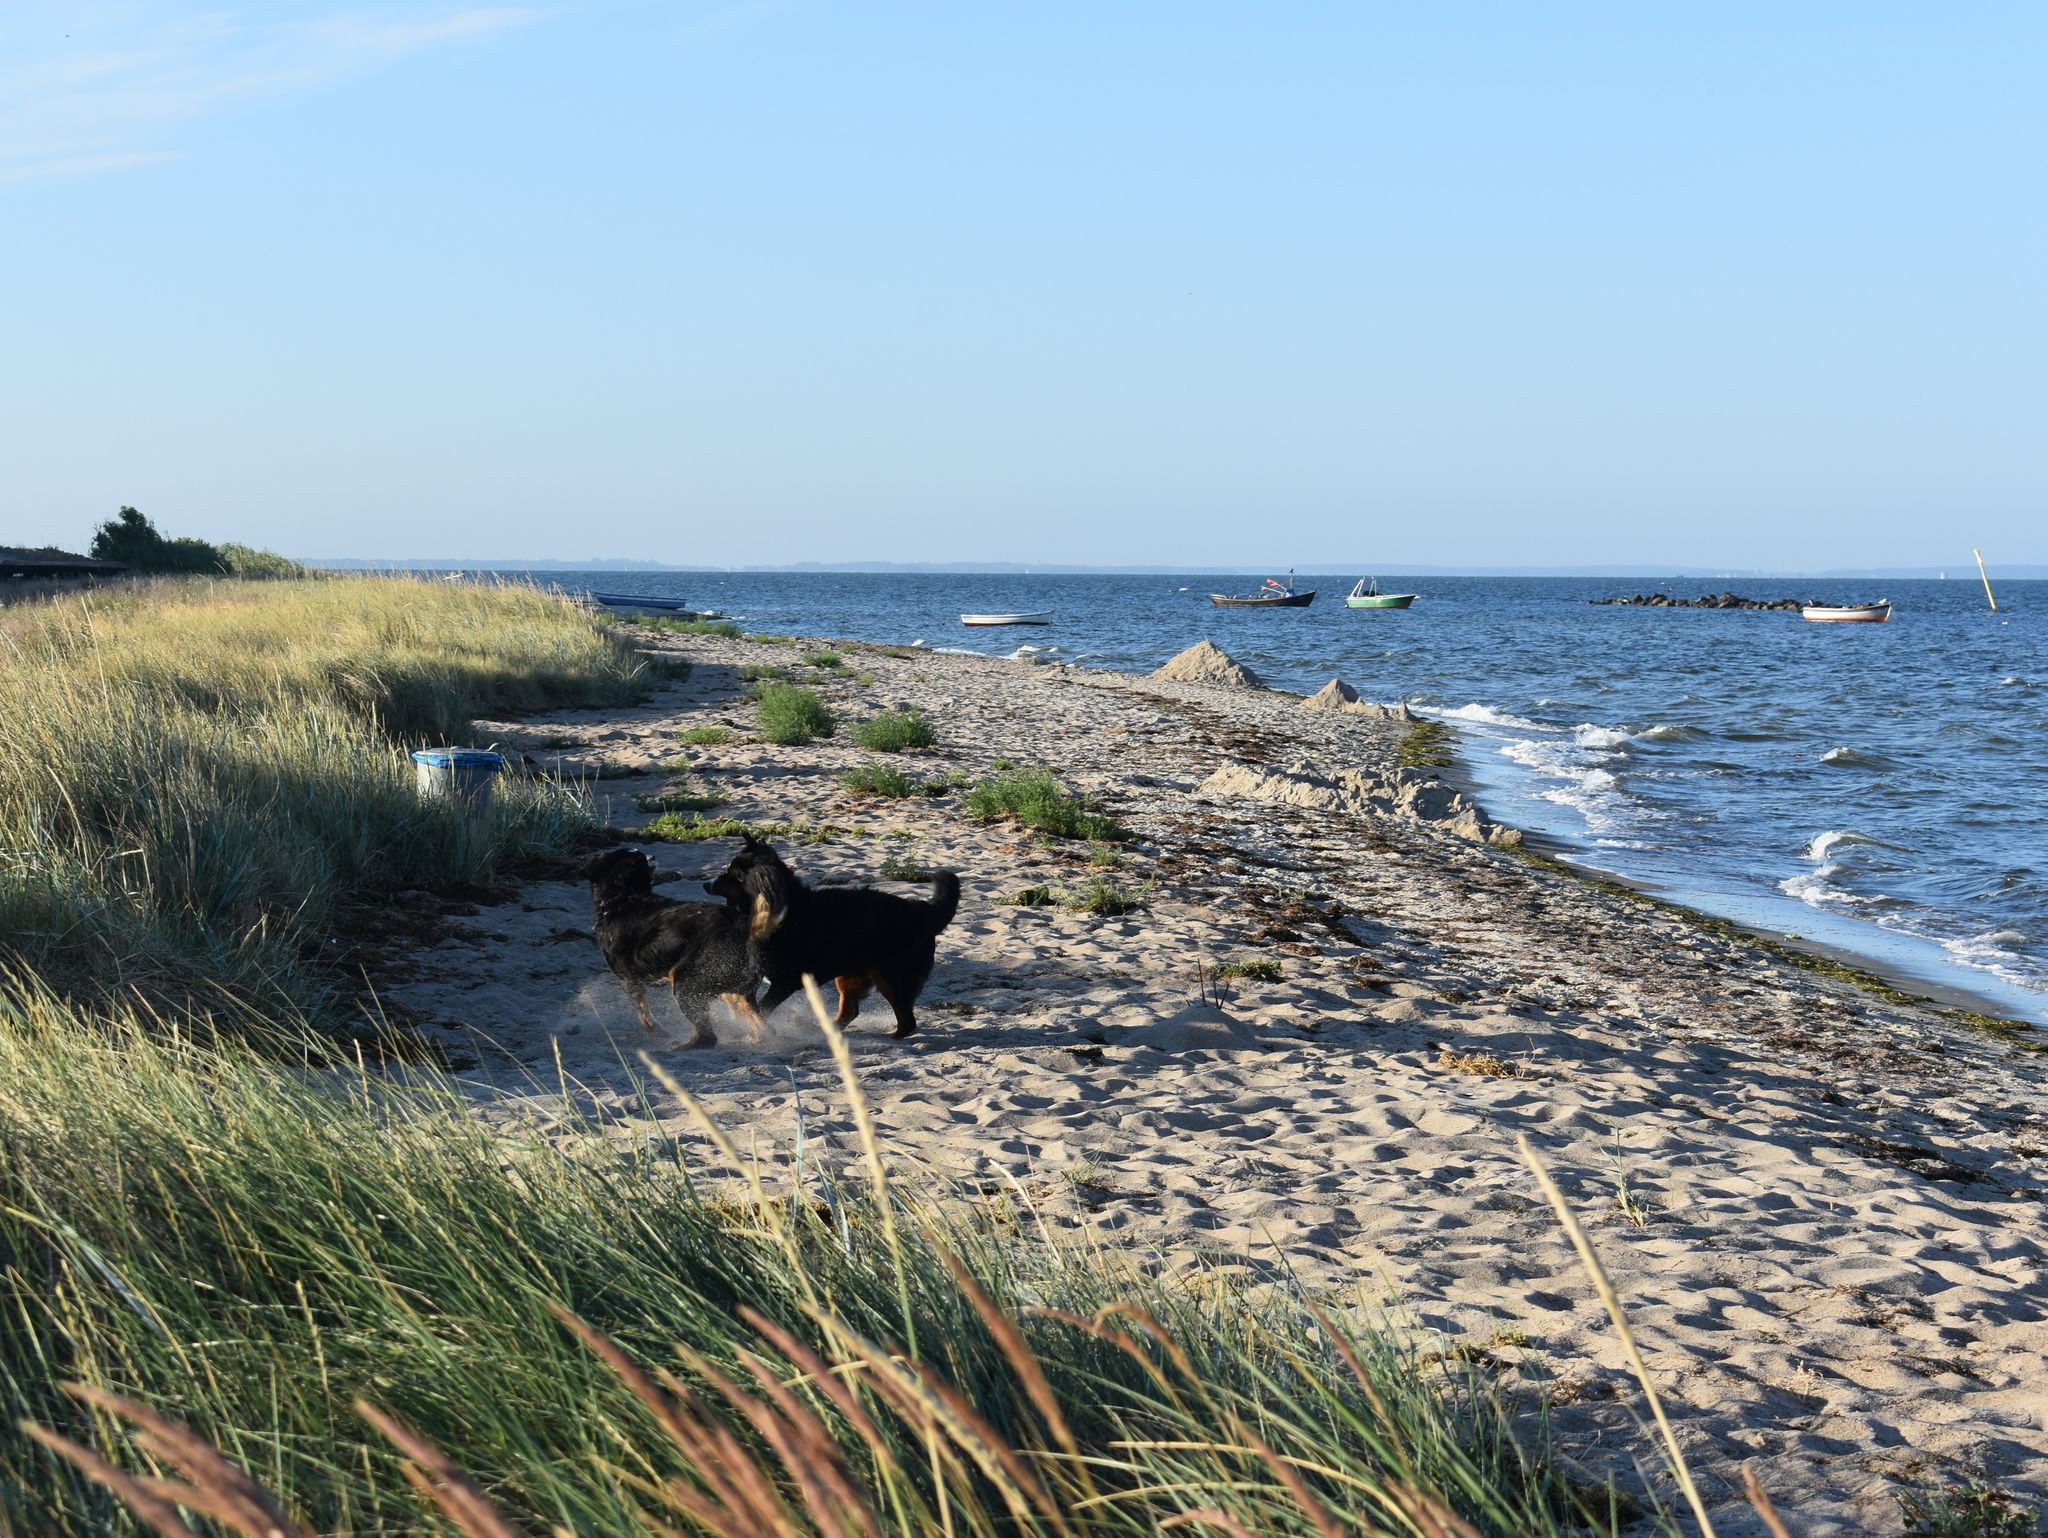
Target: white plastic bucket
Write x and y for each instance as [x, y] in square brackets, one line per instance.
[464, 773]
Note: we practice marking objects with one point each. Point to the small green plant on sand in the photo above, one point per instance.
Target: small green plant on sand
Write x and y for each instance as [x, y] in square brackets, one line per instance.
[766, 639]
[693, 827]
[824, 660]
[1107, 856]
[1040, 896]
[680, 798]
[761, 672]
[895, 731]
[1258, 969]
[1034, 798]
[707, 736]
[717, 627]
[899, 867]
[879, 779]
[1106, 898]
[790, 716]
[1969, 1510]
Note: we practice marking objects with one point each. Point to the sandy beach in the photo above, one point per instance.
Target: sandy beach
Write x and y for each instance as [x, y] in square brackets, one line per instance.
[1823, 1207]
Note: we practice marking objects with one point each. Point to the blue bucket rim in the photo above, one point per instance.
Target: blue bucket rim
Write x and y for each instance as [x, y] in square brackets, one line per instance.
[458, 758]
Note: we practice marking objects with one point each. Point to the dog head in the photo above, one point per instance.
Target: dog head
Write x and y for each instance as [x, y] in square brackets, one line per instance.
[619, 873]
[757, 884]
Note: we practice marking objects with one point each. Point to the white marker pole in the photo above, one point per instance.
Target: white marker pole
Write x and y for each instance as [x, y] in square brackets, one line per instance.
[1987, 579]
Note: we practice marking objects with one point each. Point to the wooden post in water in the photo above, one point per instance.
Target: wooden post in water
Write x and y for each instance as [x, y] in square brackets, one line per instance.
[1987, 579]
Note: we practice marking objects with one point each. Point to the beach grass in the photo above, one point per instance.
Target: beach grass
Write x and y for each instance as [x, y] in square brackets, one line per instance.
[602, 1341]
[875, 778]
[202, 780]
[824, 659]
[895, 731]
[717, 627]
[1257, 969]
[791, 716]
[706, 736]
[1034, 798]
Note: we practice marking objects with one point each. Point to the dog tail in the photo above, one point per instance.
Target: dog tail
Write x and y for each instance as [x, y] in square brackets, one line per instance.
[945, 899]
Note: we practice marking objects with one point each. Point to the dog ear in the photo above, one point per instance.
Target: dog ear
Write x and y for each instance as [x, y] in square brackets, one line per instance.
[768, 887]
[768, 917]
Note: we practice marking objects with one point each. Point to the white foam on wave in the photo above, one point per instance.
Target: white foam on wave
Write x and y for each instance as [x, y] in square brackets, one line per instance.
[1587, 735]
[1666, 731]
[1486, 715]
[1998, 953]
[1846, 757]
[1823, 845]
[1816, 890]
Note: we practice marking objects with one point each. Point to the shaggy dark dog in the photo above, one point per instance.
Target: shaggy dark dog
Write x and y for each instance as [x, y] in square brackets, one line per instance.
[701, 950]
[861, 938]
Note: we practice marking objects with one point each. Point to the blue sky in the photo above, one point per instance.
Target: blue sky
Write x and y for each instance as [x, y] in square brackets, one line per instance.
[1754, 285]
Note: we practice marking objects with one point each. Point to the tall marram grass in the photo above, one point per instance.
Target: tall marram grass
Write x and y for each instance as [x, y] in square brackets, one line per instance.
[601, 1347]
[197, 776]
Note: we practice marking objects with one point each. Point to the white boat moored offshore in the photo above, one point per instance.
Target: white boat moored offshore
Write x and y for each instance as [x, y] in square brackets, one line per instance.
[1028, 617]
[1848, 613]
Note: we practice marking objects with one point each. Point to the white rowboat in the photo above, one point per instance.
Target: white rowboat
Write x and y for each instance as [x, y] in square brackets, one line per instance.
[1032, 617]
[1848, 613]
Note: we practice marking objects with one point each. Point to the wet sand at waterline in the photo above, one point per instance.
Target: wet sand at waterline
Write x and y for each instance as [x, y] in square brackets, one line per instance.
[1824, 1208]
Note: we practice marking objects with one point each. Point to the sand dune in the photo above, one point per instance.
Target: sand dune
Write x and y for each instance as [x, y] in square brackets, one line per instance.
[1824, 1209]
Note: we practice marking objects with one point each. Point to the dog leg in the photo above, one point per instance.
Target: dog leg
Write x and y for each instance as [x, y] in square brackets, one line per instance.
[851, 991]
[637, 992]
[743, 1006]
[697, 1011]
[906, 1019]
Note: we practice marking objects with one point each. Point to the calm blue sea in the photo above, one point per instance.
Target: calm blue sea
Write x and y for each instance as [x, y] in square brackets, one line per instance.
[1880, 788]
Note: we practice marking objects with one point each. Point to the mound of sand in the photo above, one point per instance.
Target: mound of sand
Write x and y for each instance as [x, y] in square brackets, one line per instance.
[1334, 695]
[1207, 663]
[1394, 792]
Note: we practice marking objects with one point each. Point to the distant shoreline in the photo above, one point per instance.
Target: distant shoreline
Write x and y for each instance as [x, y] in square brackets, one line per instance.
[1955, 571]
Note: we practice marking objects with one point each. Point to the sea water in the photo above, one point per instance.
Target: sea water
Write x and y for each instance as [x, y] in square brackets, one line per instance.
[1878, 788]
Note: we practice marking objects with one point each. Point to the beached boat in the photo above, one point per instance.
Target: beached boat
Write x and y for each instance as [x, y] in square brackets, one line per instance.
[639, 603]
[1023, 617]
[1364, 597]
[1848, 613]
[1273, 595]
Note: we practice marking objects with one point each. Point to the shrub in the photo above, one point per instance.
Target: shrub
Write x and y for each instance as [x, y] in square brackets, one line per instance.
[130, 537]
[1034, 798]
[694, 827]
[895, 731]
[824, 660]
[253, 565]
[790, 716]
[1968, 1510]
[878, 779]
[707, 736]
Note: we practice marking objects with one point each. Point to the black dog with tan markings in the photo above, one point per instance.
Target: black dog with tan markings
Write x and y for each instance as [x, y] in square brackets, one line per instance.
[703, 951]
[863, 939]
